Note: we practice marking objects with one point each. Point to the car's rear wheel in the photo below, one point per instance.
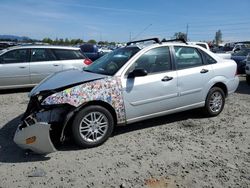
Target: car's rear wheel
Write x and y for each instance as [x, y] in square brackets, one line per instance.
[215, 102]
[248, 79]
[92, 126]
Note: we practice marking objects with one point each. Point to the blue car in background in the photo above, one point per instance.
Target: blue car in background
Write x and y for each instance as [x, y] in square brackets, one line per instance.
[240, 58]
[91, 51]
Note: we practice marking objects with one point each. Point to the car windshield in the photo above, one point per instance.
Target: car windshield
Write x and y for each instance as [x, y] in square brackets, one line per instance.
[243, 52]
[110, 63]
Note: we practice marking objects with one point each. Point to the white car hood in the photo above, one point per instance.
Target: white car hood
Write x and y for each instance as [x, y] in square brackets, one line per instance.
[63, 79]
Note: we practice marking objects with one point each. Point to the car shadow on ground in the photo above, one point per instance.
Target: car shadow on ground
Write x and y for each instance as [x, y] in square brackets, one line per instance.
[69, 145]
[10, 91]
[9, 151]
[159, 121]
[243, 87]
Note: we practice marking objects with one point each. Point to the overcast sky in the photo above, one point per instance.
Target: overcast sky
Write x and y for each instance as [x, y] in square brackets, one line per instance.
[115, 20]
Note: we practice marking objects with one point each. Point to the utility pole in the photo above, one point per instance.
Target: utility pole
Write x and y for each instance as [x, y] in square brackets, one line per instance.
[130, 36]
[142, 31]
[187, 32]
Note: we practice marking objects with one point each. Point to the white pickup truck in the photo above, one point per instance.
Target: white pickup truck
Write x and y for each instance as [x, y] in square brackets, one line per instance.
[205, 45]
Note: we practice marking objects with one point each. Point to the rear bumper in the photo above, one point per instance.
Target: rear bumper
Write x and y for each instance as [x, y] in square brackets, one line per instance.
[35, 137]
[233, 84]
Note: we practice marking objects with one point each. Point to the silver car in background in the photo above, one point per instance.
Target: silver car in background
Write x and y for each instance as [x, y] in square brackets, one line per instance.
[127, 85]
[26, 66]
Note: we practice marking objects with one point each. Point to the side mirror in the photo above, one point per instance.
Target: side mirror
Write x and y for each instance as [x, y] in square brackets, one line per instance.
[137, 73]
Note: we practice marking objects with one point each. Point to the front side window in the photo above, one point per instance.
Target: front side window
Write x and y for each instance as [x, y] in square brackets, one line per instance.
[110, 63]
[187, 57]
[153, 61]
[15, 56]
[41, 55]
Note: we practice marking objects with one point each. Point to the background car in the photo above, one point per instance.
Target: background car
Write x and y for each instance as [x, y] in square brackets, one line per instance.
[248, 69]
[7, 44]
[26, 66]
[91, 51]
[202, 44]
[240, 57]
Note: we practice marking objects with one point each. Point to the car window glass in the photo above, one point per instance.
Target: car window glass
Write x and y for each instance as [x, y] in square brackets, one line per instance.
[209, 59]
[63, 54]
[41, 55]
[154, 60]
[187, 57]
[110, 63]
[15, 56]
[241, 52]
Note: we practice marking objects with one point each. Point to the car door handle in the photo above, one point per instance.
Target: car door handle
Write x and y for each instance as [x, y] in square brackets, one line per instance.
[22, 67]
[166, 78]
[55, 65]
[204, 71]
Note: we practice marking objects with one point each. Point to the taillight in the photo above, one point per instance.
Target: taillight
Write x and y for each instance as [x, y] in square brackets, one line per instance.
[87, 61]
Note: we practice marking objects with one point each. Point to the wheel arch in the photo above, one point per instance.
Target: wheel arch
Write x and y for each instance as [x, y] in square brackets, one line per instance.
[104, 105]
[222, 86]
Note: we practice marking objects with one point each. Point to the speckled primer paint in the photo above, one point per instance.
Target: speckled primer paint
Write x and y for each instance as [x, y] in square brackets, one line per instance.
[108, 90]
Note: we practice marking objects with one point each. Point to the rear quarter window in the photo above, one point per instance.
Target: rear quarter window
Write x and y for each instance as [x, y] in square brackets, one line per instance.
[63, 54]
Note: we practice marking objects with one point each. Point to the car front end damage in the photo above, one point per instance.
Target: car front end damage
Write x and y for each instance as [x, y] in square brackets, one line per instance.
[41, 126]
[44, 124]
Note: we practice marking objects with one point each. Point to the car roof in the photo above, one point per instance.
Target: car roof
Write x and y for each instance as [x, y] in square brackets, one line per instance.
[42, 46]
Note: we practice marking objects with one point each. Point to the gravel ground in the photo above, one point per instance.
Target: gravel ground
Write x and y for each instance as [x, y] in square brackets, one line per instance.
[180, 150]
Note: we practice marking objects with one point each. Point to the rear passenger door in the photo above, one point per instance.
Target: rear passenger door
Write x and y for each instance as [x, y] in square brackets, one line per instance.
[43, 63]
[193, 75]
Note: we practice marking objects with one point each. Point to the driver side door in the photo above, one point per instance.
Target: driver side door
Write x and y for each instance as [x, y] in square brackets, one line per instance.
[155, 93]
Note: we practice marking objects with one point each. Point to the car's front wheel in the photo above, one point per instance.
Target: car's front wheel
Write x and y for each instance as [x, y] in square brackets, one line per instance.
[215, 102]
[92, 126]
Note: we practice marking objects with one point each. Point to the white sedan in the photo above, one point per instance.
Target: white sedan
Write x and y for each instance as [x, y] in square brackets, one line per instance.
[125, 86]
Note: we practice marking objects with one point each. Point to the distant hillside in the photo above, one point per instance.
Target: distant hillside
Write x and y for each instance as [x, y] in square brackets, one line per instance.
[14, 37]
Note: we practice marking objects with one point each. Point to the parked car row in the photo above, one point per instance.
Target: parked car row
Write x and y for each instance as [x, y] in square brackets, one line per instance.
[26, 66]
[127, 85]
[248, 69]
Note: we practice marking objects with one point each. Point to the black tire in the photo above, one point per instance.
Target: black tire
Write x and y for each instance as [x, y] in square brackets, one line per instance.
[91, 129]
[215, 102]
[248, 79]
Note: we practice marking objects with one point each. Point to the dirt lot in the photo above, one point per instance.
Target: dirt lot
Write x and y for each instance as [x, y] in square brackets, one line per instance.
[181, 150]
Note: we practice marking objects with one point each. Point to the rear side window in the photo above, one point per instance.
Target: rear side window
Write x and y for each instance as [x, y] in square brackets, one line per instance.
[15, 56]
[209, 59]
[42, 55]
[63, 54]
[187, 57]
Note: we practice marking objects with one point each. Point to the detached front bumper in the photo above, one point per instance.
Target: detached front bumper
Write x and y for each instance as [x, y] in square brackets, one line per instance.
[35, 137]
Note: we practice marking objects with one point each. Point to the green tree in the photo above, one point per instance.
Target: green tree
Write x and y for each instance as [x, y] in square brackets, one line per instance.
[180, 35]
[92, 41]
[47, 40]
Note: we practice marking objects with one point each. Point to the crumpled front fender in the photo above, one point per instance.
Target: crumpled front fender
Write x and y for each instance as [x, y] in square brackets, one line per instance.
[35, 137]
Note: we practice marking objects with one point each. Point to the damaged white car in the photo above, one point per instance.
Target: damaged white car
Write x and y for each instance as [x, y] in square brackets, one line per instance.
[130, 84]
